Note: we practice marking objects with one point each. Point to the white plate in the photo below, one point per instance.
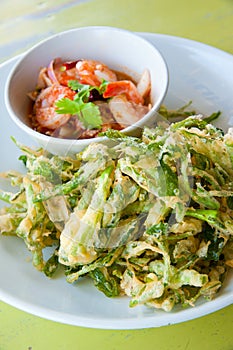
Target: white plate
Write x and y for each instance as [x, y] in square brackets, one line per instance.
[199, 73]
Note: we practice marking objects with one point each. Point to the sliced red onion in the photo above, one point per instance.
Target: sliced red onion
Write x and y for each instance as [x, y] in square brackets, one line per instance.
[70, 64]
[51, 73]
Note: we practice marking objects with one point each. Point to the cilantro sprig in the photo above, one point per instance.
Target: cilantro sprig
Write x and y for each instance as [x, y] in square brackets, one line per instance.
[87, 112]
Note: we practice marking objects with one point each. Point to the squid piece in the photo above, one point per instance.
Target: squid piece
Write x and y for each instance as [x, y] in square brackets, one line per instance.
[144, 84]
[125, 112]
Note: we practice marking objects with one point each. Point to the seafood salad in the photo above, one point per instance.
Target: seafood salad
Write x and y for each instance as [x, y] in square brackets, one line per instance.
[80, 99]
[150, 218]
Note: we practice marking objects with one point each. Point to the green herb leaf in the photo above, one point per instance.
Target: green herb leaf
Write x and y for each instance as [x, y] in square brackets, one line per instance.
[83, 90]
[90, 116]
[67, 106]
[23, 158]
[75, 85]
[87, 112]
[102, 87]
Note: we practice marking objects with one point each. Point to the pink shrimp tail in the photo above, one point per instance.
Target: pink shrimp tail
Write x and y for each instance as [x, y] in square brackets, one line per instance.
[123, 87]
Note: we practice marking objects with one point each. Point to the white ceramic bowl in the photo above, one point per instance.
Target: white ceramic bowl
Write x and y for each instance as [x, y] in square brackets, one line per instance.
[120, 49]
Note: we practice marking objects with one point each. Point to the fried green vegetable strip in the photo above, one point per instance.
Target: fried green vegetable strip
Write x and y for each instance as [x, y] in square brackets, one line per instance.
[94, 160]
[77, 241]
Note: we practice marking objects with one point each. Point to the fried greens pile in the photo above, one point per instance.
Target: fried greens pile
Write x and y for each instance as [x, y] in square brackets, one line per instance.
[150, 217]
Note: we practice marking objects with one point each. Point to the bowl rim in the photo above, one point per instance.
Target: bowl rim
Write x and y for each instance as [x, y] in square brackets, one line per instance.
[85, 142]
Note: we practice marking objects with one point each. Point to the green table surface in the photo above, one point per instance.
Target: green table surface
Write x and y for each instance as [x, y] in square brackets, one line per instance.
[23, 23]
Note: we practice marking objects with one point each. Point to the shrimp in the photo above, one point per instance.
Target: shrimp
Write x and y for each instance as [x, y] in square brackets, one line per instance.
[125, 112]
[93, 72]
[126, 87]
[61, 72]
[45, 109]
